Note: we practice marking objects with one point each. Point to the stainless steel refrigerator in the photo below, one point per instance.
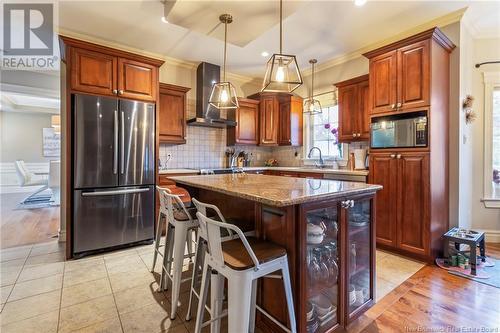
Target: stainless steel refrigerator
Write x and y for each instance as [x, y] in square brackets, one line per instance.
[113, 172]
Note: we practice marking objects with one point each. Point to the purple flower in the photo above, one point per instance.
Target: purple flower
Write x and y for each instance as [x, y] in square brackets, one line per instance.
[327, 126]
[335, 131]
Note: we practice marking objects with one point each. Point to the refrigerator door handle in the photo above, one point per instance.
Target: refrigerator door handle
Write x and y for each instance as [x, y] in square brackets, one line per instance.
[115, 153]
[122, 158]
[115, 192]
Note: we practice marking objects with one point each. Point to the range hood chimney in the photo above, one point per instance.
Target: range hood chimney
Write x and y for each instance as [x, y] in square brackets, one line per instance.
[206, 114]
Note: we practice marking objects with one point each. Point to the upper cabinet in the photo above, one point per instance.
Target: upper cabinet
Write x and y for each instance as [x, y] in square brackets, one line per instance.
[400, 73]
[354, 109]
[246, 131]
[101, 70]
[172, 114]
[281, 119]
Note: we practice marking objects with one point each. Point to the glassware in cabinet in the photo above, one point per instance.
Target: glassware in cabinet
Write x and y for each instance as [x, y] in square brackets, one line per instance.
[359, 256]
[322, 263]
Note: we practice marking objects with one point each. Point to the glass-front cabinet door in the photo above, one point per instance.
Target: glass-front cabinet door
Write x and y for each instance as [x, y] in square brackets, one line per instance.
[359, 256]
[322, 268]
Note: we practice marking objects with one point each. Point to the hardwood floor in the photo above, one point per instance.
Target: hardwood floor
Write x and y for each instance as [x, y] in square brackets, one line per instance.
[432, 300]
[26, 226]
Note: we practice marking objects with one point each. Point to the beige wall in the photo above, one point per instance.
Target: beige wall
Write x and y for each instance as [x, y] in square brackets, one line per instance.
[21, 136]
[481, 218]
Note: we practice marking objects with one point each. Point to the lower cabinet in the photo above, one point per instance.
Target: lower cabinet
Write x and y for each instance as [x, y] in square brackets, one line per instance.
[338, 263]
[403, 217]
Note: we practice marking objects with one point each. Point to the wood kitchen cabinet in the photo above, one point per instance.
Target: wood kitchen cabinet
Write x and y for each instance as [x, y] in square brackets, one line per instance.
[354, 109]
[404, 223]
[281, 119]
[101, 70]
[401, 73]
[172, 114]
[406, 76]
[246, 131]
[269, 113]
[290, 121]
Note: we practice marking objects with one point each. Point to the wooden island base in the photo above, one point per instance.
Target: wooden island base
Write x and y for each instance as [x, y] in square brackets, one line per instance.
[342, 258]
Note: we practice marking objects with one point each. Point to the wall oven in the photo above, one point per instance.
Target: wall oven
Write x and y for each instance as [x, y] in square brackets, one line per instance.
[399, 131]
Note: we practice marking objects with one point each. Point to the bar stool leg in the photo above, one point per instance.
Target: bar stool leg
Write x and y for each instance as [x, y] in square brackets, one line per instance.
[216, 299]
[157, 241]
[179, 241]
[198, 254]
[253, 308]
[167, 257]
[289, 297]
[482, 250]
[239, 302]
[190, 245]
[203, 298]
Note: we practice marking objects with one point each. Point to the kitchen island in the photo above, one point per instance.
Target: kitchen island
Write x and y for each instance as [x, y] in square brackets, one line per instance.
[328, 230]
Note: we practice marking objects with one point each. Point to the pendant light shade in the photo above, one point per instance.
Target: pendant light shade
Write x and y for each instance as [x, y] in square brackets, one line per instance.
[223, 94]
[282, 71]
[311, 105]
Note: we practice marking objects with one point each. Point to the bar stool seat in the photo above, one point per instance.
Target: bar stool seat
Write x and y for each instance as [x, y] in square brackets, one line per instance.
[180, 215]
[236, 256]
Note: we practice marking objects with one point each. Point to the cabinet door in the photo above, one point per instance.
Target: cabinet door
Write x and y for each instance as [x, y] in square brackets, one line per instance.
[383, 82]
[348, 106]
[284, 133]
[247, 128]
[269, 121]
[137, 80]
[359, 258]
[93, 72]
[363, 120]
[413, 203]
[383, 171]
[172, 122]
[414, 76]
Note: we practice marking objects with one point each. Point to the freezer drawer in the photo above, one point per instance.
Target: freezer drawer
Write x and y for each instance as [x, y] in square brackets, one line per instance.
[110, 217]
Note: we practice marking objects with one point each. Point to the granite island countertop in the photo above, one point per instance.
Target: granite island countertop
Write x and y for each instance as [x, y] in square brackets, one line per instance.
[276, 190]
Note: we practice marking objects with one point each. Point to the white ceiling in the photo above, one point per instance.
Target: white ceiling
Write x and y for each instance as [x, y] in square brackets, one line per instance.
[312, 29]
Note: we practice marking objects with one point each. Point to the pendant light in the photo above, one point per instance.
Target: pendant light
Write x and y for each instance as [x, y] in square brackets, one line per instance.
[282, 71]
[223, 95]
[311, 105]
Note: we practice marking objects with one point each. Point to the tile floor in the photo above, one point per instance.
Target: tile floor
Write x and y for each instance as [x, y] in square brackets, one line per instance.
[113, 292]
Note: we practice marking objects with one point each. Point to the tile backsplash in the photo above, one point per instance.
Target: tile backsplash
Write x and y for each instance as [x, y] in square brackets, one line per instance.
[205, 148]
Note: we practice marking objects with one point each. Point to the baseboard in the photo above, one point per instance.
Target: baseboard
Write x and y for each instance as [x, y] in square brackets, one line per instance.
[492, 236]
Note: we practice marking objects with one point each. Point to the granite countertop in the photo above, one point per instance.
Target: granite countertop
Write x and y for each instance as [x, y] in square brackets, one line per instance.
[295, 169]
[276, 190]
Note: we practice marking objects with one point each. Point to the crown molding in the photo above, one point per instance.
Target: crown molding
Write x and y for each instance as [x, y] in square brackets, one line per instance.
[191, 65]
[442, 21]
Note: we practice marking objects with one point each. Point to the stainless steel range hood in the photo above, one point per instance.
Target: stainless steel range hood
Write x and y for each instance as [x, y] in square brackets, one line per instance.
[207, 115]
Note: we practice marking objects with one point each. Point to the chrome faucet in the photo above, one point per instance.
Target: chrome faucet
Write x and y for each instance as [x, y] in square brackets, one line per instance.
[321, 163]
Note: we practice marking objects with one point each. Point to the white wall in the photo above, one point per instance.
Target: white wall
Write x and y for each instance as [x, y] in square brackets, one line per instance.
[481, 218]
[21, 136]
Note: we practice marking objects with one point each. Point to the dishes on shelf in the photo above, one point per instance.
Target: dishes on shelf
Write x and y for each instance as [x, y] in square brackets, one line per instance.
[325, 310]
[315, 233]
[359, 220]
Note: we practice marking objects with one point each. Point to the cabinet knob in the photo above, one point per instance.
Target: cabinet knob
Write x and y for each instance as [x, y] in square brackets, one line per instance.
[399, 105]
[393, 155]
[120, 92]
[359, 134]
[351, 203]
[115, 91]
[398, 156]
[393, 106]
[353, 135]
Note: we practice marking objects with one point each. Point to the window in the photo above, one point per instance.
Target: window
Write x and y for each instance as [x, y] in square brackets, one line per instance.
[496, 142]
[491, 197]
[323, 133]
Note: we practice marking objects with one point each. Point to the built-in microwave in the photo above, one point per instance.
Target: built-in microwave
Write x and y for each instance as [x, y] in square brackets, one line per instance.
[403, 130]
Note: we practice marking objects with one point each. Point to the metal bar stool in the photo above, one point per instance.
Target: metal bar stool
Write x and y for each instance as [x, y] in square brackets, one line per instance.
[180, 222]
[217, 281]
[242, 261]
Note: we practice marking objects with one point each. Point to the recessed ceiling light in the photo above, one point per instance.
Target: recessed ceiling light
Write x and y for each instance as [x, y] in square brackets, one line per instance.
[164, 19]
[265, 54]
[359, 3]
